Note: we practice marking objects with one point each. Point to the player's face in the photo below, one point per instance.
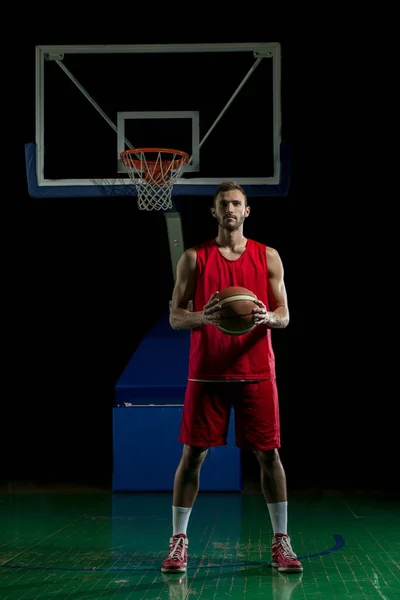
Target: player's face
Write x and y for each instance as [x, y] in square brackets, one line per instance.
[230, 209]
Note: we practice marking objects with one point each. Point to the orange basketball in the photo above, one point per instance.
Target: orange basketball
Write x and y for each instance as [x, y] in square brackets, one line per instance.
[236, 316]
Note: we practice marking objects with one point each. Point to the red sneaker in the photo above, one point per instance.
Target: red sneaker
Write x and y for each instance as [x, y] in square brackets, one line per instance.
[283, 557]
[177, 555]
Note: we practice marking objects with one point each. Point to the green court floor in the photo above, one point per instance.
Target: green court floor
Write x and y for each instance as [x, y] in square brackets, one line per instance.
[99, 545]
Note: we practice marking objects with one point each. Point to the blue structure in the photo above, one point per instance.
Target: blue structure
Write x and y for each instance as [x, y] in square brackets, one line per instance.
[36, 190]
[146, 420]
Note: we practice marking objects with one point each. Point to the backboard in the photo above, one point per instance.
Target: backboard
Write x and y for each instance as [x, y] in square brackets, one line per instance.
[220, 103]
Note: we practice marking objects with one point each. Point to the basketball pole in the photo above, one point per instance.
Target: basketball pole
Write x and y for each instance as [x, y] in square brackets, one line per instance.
[175, 238]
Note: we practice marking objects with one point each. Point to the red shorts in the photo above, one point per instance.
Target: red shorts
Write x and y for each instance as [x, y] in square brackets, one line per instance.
[207, 408]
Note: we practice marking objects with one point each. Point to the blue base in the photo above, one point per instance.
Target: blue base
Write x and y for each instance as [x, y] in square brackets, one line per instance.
[146, 453]
[146, 420]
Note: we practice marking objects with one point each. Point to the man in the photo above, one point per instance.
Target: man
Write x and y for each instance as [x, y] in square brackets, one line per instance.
[227, 371]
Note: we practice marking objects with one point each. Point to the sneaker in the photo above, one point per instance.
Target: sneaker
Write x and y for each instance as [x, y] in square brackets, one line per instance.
[283, 557]
[177, 555]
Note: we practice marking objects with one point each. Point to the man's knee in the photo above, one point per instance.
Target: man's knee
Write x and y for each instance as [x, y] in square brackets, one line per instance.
[267, 457]
[193, 456]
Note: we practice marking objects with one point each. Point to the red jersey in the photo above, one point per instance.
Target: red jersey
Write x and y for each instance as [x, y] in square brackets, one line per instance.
[215, 355]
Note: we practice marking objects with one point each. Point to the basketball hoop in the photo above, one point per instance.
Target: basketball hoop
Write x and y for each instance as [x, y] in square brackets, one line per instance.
[154, 171]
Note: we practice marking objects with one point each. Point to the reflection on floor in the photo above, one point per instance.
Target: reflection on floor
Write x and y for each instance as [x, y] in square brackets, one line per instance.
[82, 543]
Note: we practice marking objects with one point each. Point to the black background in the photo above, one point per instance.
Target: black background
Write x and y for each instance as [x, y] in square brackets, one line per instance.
[78, 296]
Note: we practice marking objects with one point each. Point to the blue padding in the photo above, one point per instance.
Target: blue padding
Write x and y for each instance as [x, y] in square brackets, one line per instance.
[149, 396]
[157, 371]
[146, 453]
[66, 191]
[98, 191]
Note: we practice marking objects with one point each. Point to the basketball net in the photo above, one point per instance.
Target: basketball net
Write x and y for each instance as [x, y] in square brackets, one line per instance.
[154, 172]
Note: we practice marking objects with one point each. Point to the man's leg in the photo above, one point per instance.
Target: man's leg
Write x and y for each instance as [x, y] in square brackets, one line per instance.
[186, 487]
[273, 485]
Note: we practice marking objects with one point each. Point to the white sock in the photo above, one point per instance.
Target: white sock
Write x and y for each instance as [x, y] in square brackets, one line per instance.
[180, 519]
[278, 514]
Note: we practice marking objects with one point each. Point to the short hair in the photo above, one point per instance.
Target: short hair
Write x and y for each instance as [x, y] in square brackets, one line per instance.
[227, 186]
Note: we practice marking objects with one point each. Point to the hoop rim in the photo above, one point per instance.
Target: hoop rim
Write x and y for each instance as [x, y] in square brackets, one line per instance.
[181, 153]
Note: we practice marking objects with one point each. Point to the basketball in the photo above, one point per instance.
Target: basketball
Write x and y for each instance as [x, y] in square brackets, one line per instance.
[237, 304]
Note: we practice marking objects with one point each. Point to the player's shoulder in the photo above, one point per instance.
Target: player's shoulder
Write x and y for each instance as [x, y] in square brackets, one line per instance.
[274, 260]
[189, 254]
[272, 253]
[187, 261]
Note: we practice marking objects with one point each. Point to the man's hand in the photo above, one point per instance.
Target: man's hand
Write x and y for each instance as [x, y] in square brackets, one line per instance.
[260, 313]
[273, 320]
[211, 310]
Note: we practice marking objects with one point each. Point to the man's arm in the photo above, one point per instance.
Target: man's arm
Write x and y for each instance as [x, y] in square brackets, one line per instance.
[179, 316]
[278, 318]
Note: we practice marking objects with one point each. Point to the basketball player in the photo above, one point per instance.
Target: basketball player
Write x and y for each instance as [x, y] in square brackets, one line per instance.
[229, 370]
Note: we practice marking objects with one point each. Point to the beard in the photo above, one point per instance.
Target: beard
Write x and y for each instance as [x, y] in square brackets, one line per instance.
[230, 225]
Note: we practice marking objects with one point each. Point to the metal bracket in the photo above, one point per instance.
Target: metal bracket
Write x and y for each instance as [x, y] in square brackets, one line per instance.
[263, 54]
[59, 56]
